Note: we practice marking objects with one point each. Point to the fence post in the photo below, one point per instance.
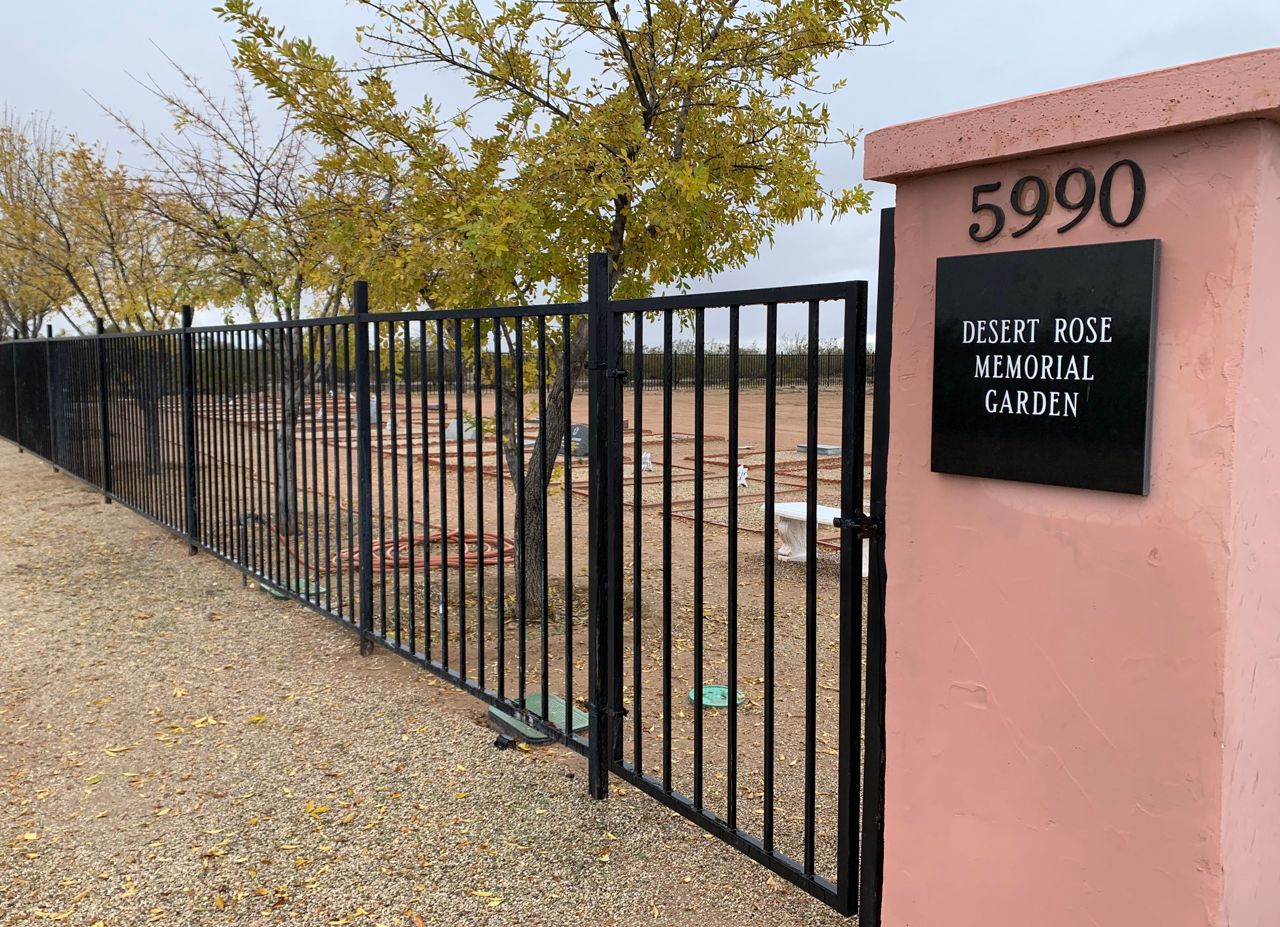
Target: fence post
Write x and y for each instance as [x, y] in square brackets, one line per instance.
[104, 412]
[48, 392]
[189, 429]
[364, 465]
[604, 669]
[17, 407]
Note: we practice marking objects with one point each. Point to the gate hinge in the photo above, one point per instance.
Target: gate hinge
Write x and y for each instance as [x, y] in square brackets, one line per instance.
[608, 712]
[869, 526]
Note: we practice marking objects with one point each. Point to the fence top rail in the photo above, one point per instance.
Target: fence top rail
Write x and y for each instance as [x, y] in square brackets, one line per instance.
[546, 310]
[822, 292]
[427, 315]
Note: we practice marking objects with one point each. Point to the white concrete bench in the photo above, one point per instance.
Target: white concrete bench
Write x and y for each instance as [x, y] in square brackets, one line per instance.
[792, 521]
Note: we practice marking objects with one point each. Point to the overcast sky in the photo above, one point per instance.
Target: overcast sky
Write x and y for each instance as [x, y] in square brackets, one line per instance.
[947, 55]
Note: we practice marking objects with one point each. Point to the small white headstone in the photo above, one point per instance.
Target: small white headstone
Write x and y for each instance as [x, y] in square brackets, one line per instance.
[468, 430]
[742, 475]
[646, 462]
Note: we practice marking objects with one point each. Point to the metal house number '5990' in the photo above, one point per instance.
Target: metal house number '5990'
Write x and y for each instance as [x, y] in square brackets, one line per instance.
[1030, 197]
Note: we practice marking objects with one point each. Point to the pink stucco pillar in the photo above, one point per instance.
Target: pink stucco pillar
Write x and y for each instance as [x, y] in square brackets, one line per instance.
[1083, 712]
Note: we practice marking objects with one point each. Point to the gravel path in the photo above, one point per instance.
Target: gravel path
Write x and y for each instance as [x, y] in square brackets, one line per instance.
[177, 749]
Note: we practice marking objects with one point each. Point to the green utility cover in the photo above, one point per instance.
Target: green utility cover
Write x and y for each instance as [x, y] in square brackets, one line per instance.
[715, 697]
[514, 726]
[299, 587]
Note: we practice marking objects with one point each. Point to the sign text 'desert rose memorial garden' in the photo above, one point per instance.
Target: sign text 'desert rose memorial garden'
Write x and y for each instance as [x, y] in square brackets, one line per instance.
[1042, 365]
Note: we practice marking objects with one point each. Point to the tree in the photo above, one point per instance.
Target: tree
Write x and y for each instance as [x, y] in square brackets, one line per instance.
[264, 214]
[674, 136]
[77, 228]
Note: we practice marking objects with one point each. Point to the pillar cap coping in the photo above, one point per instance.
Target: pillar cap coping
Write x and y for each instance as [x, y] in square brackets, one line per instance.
[1220, 90]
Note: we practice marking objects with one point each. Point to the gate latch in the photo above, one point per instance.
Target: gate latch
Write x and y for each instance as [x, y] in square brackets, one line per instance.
[615, 373]
[868, 525]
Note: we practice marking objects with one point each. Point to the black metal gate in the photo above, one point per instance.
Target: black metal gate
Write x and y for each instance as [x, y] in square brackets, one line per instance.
[403, 474]
[787, 769]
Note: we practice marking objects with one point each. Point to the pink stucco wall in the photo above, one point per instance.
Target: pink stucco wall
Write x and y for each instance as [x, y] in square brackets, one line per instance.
[1251, 750]
[1084, 687]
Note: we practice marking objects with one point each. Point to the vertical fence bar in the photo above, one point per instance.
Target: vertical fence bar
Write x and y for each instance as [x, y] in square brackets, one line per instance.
[327, 434]
[731, 745]
[409, 386]
[104, 410]
[853, 441]
[871, 859]
[522, 560]
[189, 431]
[811, 595]
[50, 447]
[364, 465]
[302, 405]
[478, 348]
[352, 497]
[460, 431]
[426, 492]
[770, 558]
[614, 379]
[667, 381]
[568, 445]
[392, 428]
[699, 533]
[637, 546]
[500, 436]
[605, 495]
[17, 406]
[377, 426]
[545, 455]
[442, 432]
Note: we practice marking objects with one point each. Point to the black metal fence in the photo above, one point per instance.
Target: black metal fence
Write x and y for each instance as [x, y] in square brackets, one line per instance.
[430, 479]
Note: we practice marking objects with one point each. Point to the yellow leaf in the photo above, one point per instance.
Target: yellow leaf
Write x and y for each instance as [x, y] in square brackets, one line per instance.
[30, 836]
[255, 719]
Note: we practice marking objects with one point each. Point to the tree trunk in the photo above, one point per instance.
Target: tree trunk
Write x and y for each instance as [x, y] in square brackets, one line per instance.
[531, 555]
[300, 373]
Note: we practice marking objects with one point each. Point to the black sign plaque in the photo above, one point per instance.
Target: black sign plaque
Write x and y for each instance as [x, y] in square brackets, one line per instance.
[1043, 364]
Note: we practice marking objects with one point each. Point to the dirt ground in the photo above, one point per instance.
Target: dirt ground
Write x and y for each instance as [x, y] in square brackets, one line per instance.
[175, 748]
[423, 481]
